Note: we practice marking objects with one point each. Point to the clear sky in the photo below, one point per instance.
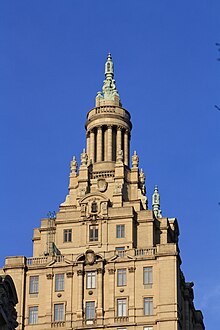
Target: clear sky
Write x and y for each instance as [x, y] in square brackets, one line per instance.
[52, 56]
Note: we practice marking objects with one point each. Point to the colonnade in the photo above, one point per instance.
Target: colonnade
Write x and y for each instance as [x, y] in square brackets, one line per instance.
[104, 142]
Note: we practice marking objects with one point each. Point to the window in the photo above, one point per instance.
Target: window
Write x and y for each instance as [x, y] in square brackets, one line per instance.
[148, 328]
[90, 280]
[93, 233]
[120, 231]
[90, 310]
[58, 312]
[33, 315]
[67, 235]
[121, 277]
[34, 284]
[121, 307]
[120, 251]
[94, 207]
[148, 306]
[148, 276]
[59, 282]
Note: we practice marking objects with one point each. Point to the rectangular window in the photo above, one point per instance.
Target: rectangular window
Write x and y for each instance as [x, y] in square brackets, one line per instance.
[33, 315]
[148, 276]
[120, 251]
[121, 307]
[58, 312]
[120, 231]
[90, 310]
[148, 306]
[34, 284]
[148, 328]
[121, 277]
[59, 282]
[90, 280]
[93, 233]
[67, 235]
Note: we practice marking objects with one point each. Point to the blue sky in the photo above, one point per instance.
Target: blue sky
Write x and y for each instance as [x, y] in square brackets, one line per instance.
[52, 56]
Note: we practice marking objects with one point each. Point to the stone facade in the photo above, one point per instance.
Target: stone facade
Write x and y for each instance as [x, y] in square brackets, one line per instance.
[105, 260]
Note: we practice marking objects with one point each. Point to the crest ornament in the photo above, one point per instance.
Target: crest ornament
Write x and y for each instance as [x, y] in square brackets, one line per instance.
[102, 185]
[90, 257]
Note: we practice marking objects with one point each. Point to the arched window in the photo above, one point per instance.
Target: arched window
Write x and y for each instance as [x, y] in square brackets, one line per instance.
[108, 66]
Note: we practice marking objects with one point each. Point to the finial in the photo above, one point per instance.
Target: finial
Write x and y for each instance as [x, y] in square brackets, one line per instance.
[156, 203]
[119, 156]
[73, 166]
[135, 159]
[109, 90]
[142, 181]
[84, 158]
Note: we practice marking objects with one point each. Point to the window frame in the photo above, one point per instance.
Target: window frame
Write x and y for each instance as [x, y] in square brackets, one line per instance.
[33, 317]
[90, 308]
[94, 229]
[120, 233]
[121, 277]
[120, 251]
[34, 286]
[148, 310]
[91, 280]
[121, 307]
[59, 282]
[67, 235]
[56, 317]
[148, 276]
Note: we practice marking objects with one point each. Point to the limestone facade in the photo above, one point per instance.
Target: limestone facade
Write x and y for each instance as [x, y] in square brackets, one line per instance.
[105, 260]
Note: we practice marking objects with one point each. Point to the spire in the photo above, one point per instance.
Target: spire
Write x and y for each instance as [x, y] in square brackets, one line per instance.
[156, 203]
[109, 90]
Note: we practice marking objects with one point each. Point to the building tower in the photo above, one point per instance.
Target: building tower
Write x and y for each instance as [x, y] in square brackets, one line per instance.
[105, 260]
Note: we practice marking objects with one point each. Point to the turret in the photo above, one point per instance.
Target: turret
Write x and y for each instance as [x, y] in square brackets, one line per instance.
[108, 125]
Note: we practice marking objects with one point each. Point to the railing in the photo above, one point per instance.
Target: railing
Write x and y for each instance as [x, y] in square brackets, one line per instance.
[37, 261]
[47, 259]
[58, 324]
[145, 252]
[121, 319]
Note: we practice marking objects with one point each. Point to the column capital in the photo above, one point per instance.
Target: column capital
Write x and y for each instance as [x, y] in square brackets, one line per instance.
[100, 271]
[131, 269]
[111, 271]
[119, 128]
[49, 276]
[99, 127]
[109, 126]
[69, 274]
[80, 272]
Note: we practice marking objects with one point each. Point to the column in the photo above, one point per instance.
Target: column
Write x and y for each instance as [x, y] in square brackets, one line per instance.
[105, 157]
[88, 144]
[126, 147]
[109, 143]
[100, 293]
[119, 145]
[99, 144]
[92, 146]
[80, 294]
